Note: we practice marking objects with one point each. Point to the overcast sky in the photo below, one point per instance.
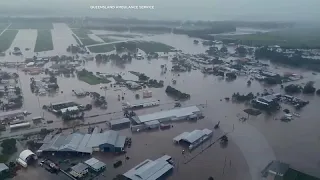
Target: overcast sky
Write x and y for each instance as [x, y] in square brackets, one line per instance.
[283, 10]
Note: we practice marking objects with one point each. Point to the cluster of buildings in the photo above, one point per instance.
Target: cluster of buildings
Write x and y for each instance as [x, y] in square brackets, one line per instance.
[82, 169]
[78, 143]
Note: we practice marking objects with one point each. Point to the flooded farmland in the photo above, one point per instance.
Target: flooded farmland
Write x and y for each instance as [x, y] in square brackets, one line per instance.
[253, 143]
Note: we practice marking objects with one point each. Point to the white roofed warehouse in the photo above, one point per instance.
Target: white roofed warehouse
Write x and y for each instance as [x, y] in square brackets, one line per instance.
[194, 138]
[185, 113]
[95, 164]
[150, 170]
[119, 123]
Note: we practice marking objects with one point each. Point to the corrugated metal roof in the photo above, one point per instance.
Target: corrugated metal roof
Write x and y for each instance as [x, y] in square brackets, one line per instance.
[80, 167]
[149, 170]
[119, 121]
[95, 163]
[83, 142]
[181, 136]
[193, 136]
[120, 141]
[180, 112]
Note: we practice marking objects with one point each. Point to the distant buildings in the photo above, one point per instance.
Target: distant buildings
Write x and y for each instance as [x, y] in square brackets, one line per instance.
[150, 170]
[77, 143]
[194, 138]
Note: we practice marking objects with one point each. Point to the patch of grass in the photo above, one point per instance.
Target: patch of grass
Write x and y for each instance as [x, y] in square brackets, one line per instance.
[151, 46]
[31, 25]
[91, 79]
[3, 25]
[44, 41]
[102, 48]
[107, 39]
[83, 36]
[122, 35]
[81, 33]
[6, 39]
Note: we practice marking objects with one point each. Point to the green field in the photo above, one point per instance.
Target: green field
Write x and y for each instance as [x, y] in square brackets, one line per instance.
[31, 25]
[83, 36]
[122, 35]
[102, 48]
[106, 39]
[91, 79]
[44, 41]
[6, 39]
[291, 38]
[3, 26]
[151, 46]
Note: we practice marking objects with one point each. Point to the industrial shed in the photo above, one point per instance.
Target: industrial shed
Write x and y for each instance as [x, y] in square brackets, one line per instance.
[194, 138]
[143, 103]
[170, 115]
[95, 164]
[150, 170]
[108, 141]
[26, 157]
[119, 123]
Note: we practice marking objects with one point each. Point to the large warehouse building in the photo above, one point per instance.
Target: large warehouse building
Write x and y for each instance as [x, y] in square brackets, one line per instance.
[170, 115]
[108, 141]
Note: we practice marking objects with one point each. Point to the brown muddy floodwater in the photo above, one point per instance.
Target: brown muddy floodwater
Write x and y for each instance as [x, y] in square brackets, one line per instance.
[253, 143]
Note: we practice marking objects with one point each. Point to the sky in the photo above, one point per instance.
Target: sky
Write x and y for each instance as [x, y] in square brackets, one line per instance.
[252, 10]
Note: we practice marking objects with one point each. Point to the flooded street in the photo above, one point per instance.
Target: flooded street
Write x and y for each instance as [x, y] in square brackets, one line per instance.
[253, 143]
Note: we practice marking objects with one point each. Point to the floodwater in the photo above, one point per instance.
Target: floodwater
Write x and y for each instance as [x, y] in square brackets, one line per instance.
[254, 142]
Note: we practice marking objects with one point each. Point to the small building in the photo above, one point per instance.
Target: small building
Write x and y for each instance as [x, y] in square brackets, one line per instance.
[119, 123]
[79, 170]
[275, 170]
[150, 170]
[194, 138]
[95, 165]
[3, 168]
[26, 157]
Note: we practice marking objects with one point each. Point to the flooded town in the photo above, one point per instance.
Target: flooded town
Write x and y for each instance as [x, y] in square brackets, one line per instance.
[87, 99]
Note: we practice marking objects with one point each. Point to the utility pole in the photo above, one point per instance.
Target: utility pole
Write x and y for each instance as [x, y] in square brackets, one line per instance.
[225, 160]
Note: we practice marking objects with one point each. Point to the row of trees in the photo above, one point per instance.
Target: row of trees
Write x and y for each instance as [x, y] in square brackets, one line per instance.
[176, 93]
[307, 89]
[295, 59]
